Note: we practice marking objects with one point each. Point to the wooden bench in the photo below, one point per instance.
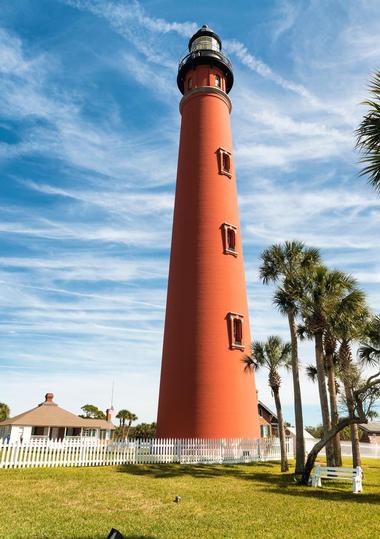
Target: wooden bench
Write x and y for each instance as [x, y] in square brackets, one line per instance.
[355, 475]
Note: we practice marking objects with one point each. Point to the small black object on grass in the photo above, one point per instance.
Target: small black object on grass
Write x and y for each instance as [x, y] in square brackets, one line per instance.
[177, 499]
[115, 534]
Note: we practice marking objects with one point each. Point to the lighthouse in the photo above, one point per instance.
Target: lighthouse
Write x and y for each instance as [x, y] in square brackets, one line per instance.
[204, 392]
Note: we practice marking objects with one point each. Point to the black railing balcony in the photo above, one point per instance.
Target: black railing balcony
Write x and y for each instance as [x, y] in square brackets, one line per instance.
[205, 52]
[208, 57]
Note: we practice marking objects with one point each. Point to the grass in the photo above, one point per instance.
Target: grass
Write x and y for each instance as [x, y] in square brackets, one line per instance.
[239, 501]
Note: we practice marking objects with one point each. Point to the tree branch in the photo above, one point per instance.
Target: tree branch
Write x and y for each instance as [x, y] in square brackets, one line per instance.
[371, 382]
[342, 423]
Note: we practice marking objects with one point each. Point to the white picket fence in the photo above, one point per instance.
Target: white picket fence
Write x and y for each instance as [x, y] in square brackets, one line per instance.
[367, 451]
[71, 452]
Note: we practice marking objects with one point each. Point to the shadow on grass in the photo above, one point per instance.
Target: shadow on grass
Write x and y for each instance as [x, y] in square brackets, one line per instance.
[275, 482]
[125, 537]
[161, 471]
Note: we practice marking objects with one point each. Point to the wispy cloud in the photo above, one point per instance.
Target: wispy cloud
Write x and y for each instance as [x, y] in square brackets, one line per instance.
[122, 202]
[90, 165]
[123, 16]
[255, 64]
[130, 21]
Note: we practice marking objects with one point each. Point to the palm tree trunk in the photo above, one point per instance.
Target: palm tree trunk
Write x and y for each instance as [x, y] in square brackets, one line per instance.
[345, 356]
[281, 430]
[333, 408]
[300, 442]
[355, 444]
[319, 358]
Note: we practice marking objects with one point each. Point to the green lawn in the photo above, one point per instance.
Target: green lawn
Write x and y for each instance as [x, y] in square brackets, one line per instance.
[239, 501]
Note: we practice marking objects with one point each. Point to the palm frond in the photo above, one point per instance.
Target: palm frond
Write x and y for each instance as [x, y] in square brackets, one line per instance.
[249, 363]
[284, 301]
[368, 354]
[368, 134]
[312, 373]
[303, 332]
[271, 354]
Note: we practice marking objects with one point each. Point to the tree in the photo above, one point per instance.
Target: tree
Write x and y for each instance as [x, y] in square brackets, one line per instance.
[317, 431]
[329, 343]
[368, 134]
[282, 264]
[365, 396]
[345, 434]
[4, 411]
[144, 430]
[348, 321]
[321, 290]
[92, 412]
[272, 355]
[124, 416]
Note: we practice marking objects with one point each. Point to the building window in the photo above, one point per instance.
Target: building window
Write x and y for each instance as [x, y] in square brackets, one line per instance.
[235, 330]
[217, 81]
[229, 239]
[38, 431]
[264, 431]
[238, 331]
[73, 431]
[190, 84]
[89, 432]
[224, 162]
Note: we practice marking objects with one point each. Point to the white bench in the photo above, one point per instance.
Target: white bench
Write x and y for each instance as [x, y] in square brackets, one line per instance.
[355, 475]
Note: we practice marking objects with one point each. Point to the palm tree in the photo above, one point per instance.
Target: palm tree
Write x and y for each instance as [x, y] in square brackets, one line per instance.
[273, 354]
[330, 344]
[321, 291]
[368, 134]
[369, 351]
[123, 416]
[4, 411]
[282, 264]
[349, 320]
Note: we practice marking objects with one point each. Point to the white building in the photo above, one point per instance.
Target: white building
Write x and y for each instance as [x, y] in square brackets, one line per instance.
[49, 421]
[310, 441]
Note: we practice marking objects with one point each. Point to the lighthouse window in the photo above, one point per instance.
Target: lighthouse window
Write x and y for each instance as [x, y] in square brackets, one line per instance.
[189, 84]
[224, 158]
[217, 81]
[226, 162]
[229, 239]
[205, 43]
[235, 321]
[238, 331]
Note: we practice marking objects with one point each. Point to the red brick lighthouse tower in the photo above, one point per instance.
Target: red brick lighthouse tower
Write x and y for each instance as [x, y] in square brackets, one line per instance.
[204, 392]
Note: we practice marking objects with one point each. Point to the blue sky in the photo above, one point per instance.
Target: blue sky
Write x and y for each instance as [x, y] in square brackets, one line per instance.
[88, 148]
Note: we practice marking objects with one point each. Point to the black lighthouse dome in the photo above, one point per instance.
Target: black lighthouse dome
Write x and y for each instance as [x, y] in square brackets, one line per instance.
[205, 49]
